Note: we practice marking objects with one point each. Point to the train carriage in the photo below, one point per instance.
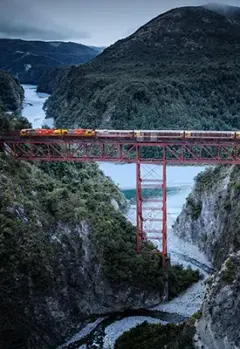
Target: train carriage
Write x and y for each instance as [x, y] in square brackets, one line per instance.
[210, 134]
[157, 135]
[119, 134]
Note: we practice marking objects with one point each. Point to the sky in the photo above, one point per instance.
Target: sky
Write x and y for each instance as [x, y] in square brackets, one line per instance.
[90, 22]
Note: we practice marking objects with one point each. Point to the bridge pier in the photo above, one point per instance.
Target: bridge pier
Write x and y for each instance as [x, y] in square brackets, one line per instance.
[156, 182]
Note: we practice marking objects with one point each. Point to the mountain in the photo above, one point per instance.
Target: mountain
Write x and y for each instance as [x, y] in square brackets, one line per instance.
[180, 70]
[27, 60]
[98, 49]
[230, 12]
[51, 78]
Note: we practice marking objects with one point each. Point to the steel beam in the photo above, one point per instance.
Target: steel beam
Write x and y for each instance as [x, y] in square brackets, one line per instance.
[172, 153]
[169, 152]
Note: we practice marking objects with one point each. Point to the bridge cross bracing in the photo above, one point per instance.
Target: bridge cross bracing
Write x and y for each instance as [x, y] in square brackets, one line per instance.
[167, 152]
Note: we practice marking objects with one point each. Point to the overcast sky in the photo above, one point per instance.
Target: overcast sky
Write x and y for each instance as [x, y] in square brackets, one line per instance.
[91, 22]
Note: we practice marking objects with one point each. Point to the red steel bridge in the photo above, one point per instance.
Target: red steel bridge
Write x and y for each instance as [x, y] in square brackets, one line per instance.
[163, 152]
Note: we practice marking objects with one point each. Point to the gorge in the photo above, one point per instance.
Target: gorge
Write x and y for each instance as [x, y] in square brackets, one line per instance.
[215, 197]
[69, 274]
[180, 252]
[209, 219]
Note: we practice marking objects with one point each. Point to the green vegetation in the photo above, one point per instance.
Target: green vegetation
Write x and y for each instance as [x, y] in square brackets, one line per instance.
[230, 272]
[180, 279]
[170, 336]
[12, 122]
[61, 239]
[204, 238]
[11, 93]
[178, 71]
[208, 178]
[51, 78]
[146, 336]
[40, 215]
[177, 98]
[30, 60]
[195, 208]
[222, 185]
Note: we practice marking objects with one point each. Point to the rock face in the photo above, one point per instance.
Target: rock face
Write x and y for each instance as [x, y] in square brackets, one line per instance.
[58, 268]
[210, 215]
[68, 253]
[210, 219]
[219, 326]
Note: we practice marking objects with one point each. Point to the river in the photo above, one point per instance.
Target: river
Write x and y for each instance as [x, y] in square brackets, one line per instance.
[179, 183]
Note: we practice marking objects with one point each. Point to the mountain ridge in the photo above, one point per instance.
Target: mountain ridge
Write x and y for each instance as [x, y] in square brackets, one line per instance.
[180, 70]
[29, 59]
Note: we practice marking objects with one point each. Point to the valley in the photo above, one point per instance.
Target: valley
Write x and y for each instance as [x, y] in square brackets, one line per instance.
[181, 252]
[70, 277]
[29, 60]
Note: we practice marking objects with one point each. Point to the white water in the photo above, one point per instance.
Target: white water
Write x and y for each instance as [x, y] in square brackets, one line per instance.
[124, 175]
[182, 178]
[179, 177]
[33, 107]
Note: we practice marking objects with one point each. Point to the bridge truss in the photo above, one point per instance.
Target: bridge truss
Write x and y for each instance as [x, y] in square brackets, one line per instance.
[164, 153]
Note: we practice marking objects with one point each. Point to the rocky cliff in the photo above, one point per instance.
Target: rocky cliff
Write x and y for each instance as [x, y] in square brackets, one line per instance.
[210, 219]
[219, 325]
[68, 253]
[58, 268]
[210, 216]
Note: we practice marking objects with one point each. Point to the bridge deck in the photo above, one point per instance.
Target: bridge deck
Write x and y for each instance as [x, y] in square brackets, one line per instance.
[86, 149]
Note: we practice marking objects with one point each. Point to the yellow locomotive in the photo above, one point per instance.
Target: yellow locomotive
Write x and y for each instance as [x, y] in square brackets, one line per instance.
[58, 132]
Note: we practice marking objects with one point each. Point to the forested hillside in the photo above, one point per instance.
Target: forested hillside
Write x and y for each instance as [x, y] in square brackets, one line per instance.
[28, 60]
[51, 78]
[66, 250]
[11, 93]
[180, 70]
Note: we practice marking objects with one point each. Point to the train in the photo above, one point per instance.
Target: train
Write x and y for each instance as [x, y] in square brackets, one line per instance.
[138, 135]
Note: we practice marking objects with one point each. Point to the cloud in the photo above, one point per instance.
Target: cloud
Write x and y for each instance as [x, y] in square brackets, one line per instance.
[28, 31]
[38, 20]
[92, 22]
